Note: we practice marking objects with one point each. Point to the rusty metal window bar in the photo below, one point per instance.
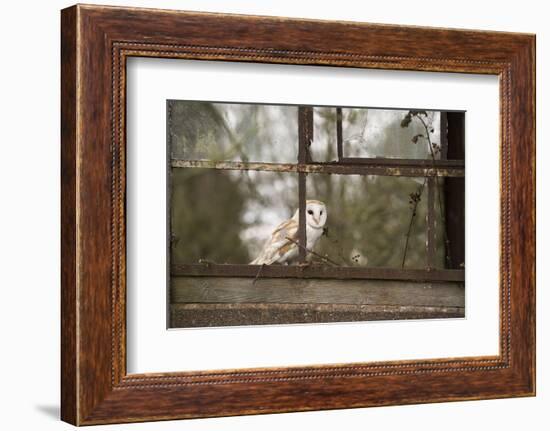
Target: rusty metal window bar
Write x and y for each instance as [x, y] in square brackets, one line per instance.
[450, 168]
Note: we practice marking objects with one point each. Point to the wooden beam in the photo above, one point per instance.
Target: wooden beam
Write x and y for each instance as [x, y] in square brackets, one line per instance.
[305, 137]
[277, 290]
[339, 134]
[430, 223]
[454, 194]
[385, 167]
[315, 271]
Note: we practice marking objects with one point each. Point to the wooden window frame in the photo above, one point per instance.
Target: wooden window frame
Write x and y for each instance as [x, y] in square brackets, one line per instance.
[96, 41]
[432, 170]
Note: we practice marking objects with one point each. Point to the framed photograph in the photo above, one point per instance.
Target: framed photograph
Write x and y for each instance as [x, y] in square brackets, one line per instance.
[264, 215]
[243, 176]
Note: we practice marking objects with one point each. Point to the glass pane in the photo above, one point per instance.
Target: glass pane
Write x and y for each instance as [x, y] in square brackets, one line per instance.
[389, 133]
[233, 132]
[222, 216]
[370, 218]
[378, 133]
[324, 147]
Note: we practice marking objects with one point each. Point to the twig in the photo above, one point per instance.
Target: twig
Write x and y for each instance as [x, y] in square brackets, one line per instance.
[258, 274]
[413, 215]
[442, 214]
[326, 259]
[340, 251]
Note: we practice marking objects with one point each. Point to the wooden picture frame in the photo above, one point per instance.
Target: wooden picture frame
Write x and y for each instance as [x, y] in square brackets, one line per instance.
[96, 41]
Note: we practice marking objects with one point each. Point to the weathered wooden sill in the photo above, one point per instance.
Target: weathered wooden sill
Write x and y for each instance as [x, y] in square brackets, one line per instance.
[228, 301]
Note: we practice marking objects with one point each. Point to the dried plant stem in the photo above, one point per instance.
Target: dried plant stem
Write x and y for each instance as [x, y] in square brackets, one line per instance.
[325, 259]
[258, 274]
[413, 215]
[445, 237]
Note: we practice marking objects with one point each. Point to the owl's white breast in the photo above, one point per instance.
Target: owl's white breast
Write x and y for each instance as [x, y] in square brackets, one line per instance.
[312, 236]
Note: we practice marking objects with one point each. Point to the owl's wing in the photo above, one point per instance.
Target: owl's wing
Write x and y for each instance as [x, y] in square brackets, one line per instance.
[277, 246]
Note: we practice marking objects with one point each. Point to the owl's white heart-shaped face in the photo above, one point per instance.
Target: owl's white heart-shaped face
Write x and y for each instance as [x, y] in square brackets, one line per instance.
[316, 214]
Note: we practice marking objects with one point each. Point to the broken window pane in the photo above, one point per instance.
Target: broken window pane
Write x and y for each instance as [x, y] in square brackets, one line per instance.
[389, 133]
[377, 133]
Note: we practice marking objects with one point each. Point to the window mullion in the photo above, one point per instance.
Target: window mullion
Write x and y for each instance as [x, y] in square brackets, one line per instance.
[443, 135]
[302, 238]
[305, 136]
[339, 134]
[430, 223]
[454, 194]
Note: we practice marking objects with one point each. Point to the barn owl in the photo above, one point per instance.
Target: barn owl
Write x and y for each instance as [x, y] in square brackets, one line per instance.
[278, 249]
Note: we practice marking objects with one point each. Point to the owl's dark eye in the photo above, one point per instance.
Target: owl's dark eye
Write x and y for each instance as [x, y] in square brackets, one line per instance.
[321, 212]
[310, 212]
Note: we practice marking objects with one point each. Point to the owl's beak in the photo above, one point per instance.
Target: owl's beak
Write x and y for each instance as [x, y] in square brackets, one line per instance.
[316, 220]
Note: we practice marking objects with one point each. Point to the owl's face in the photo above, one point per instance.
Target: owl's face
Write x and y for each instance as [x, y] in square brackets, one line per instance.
[316, 214]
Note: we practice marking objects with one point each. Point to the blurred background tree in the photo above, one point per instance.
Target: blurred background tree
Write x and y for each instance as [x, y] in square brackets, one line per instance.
[204, 225]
